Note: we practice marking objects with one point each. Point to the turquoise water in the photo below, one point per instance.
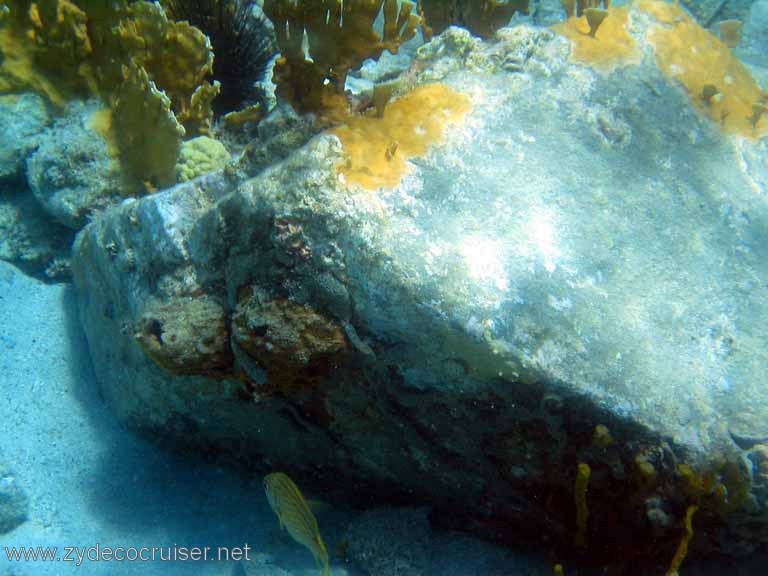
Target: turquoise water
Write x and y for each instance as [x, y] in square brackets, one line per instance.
[90, 483]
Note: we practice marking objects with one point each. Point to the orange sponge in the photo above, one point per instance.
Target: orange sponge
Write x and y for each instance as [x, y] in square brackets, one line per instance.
[377, 149]
[716, 81]
[611, 46]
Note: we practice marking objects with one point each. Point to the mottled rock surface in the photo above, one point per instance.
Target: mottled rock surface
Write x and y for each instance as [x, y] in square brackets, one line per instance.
[29, 239]
[405, 551]
[23, 119]
[400, 542]
[73, 173]
[575, 275]
[753, 47]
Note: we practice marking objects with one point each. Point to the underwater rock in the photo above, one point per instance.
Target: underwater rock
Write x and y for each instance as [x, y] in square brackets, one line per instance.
[280, 133]
[547, 12]
[753, 48]
[186, 335]
[28, 237]
[735, 9]
[24, 117]
[14, 505]
[705, 10]
[404, 552]
[295, 345]
[73, 172]
[550, 320]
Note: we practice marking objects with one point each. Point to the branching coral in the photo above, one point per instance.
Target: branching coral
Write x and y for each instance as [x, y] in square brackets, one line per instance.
[583, 472]
[176, 56]
[67, 48]
[340, 37]
[481, 17]
[682, 548]
[45, 48]
[579, 7]
[147, 131]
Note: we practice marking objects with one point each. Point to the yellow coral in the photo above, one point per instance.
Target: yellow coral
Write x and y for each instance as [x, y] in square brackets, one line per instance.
[611, 46]
[377, 149]
[601, 436]
[101, 122]
[237, 119]
[45, 48]
[147, 130]
[196, 115]
[691, 55]
[340, 37]
[66, 48]
[666, 12]
[176, 56]
[199, 156]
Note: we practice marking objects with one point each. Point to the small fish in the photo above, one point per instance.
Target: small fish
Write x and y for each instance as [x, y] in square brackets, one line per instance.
[294, 514]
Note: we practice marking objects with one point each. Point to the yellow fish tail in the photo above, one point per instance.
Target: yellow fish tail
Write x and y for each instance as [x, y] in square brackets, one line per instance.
[323, 556]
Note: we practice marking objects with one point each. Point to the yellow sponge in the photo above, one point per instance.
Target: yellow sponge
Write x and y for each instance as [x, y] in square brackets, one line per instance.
[717, 83]
[377, 148]
[611, 46]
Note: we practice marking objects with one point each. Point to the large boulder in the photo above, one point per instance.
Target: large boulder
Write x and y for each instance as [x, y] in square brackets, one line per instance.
[73, 172]
[551, 326]
[24, 118]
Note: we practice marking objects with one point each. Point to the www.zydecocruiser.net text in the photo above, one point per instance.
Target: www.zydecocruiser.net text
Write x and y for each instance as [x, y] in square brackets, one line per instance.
[98, 553]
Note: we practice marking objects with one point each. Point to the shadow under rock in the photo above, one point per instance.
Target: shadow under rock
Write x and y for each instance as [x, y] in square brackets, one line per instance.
[138, 488]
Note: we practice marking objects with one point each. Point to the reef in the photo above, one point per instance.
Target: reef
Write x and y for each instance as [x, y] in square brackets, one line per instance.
[151, 72]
